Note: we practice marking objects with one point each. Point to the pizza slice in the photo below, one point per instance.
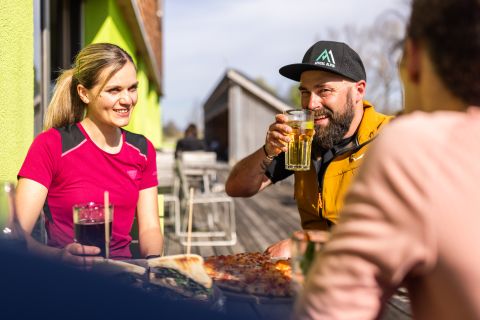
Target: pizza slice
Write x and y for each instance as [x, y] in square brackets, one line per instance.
[184, 274]
[254, 273]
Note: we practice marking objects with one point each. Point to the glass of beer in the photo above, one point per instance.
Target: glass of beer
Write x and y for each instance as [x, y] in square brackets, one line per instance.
[89, 224]
[297, 157]
[304, 246]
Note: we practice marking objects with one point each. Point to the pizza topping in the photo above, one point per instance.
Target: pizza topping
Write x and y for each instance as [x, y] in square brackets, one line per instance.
[251, 272]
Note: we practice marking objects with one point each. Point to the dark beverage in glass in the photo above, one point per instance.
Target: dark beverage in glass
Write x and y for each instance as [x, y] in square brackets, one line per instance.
[91, 233]
[89, 224]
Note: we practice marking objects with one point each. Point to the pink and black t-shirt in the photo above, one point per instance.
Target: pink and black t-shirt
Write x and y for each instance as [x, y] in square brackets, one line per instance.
[75, 170]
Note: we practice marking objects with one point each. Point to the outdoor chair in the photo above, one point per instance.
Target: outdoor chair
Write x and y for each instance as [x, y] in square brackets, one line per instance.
[200, 168]
[213, 215]
[168, 185]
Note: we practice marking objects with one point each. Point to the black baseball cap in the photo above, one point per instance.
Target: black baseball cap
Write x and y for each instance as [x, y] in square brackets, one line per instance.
[330, 56]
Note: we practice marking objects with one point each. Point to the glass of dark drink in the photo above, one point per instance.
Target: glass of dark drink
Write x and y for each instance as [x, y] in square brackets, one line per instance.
[89, 224]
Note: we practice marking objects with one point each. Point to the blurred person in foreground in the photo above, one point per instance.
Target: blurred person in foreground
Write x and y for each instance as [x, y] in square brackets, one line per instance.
[332, 84]
[83, 152]
[190, 141]
[412, 215]
[35, 287]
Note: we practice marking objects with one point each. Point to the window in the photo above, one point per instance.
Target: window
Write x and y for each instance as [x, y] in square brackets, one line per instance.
[57, 39]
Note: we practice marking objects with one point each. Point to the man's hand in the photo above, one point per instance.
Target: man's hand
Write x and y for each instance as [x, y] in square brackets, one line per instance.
[277, 136]
[280, 249]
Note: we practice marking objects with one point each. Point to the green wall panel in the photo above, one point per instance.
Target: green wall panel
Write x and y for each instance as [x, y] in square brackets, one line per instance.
[16, 84]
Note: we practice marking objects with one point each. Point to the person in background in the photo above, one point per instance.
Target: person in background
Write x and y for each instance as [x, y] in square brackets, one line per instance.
[412, 215]
[84, 152]
[332, 84]
[190, 141]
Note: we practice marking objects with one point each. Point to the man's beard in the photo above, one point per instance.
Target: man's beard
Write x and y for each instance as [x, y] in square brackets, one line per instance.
[339, 123]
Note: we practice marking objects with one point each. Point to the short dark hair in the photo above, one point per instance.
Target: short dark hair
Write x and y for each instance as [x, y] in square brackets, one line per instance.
[191, 131]
[451, 31]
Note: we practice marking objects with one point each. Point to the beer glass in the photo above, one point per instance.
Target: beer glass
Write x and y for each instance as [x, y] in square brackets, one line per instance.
[304, 246]
[6, 205]
[11, 232]
[297, 157]
[89, 224]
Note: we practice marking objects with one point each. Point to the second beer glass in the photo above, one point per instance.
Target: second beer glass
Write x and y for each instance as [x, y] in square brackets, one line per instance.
[297, 157]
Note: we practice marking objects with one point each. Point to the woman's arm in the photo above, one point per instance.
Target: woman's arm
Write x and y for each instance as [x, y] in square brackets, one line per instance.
[29, 200]
[149, 234]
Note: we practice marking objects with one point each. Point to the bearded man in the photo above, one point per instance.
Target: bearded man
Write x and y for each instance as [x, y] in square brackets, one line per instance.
[332, 84]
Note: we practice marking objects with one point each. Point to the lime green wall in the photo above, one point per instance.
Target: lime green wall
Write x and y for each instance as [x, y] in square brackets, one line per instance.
[104, 23]
[155, 116]
[16, 84]
[146, 117]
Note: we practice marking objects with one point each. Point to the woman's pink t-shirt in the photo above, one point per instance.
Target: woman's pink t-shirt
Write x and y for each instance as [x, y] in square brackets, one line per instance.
[75, 170]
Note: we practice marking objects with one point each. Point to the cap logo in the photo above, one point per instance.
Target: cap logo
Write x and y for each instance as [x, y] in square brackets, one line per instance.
[326, 59]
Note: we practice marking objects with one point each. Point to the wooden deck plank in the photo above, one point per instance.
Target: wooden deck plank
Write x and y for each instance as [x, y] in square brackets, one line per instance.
[275, 225]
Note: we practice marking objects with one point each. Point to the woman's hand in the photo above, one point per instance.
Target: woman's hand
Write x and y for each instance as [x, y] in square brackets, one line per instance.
[80, 255]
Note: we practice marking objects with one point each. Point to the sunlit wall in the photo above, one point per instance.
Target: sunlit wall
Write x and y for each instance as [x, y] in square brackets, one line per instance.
[16, 85]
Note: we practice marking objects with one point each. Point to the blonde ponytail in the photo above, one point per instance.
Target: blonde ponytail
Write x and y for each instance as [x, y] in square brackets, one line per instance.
[65, 108]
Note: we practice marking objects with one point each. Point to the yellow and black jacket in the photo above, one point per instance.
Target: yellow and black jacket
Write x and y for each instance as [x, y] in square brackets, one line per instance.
[319, 210]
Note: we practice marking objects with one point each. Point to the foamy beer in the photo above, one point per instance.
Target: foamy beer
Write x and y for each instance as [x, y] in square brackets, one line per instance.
[297, 157]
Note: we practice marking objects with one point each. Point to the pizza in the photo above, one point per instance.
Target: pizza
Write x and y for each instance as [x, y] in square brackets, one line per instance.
[183, 273]
[252, 273]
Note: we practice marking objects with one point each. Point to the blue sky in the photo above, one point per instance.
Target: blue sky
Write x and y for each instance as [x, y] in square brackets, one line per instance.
[204, 38]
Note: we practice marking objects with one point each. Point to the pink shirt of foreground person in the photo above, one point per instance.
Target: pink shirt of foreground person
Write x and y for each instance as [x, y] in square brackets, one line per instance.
[413, 216]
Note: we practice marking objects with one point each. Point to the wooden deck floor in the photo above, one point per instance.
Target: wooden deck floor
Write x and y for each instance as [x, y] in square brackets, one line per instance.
[261, 220]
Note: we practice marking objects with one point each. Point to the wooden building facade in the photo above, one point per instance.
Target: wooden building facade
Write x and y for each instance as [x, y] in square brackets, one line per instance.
[237, 114]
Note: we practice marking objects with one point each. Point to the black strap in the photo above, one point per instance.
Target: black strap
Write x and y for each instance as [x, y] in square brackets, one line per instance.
[46, 212]
[71, 137]
[152, 256]
[138, 140]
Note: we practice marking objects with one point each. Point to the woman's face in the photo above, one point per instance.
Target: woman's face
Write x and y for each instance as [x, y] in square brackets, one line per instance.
[113, 104]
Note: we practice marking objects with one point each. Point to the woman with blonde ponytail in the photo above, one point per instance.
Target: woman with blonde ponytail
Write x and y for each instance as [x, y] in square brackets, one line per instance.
[84, 152]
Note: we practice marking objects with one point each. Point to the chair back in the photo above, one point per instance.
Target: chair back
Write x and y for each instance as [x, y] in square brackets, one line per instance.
[194, 159]
[166, 175]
